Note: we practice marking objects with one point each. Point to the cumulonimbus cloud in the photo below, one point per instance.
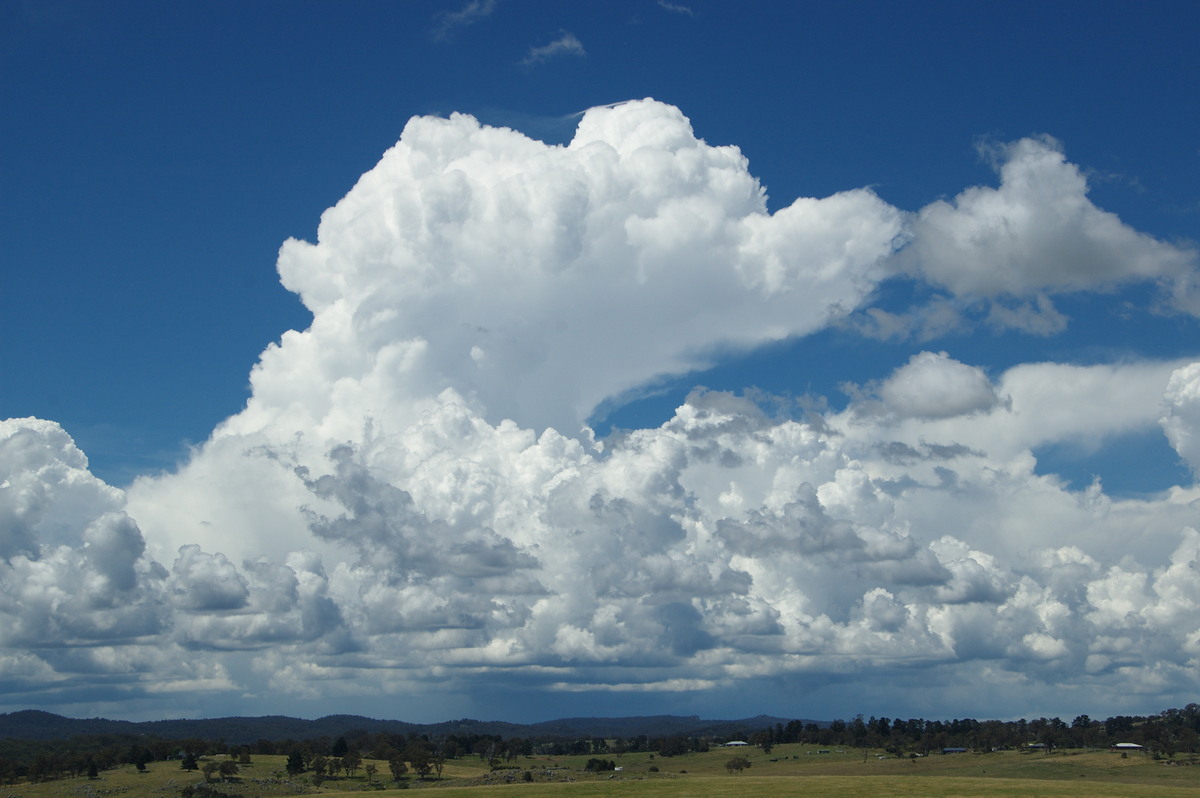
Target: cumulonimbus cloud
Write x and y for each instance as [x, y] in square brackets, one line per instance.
[408, 494]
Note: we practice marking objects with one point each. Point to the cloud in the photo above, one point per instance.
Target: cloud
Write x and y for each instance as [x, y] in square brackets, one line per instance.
[408, 504]
[1181, 413]
[47, 495]
[565, 44]
[675, 7]
[934, 385]
[208, 581]
[471, 253]
[1036, 235]
[1036, 232]
[447, 23]
[73, 568]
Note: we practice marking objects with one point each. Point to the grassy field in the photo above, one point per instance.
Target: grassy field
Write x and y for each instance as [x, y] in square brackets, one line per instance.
[789, 770]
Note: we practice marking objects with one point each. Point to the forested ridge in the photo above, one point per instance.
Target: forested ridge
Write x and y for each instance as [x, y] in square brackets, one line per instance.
[351, 739]
[39, 725]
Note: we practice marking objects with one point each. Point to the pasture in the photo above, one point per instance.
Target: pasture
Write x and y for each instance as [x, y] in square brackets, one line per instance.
[789, 770]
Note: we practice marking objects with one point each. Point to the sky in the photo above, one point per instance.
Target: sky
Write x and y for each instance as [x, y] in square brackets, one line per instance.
[518, 360]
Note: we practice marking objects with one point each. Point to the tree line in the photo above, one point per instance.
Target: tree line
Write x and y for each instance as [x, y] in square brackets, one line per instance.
[421, 756]
[1167, 733]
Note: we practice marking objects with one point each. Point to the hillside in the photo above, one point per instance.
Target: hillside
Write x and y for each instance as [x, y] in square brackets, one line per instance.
[38, 725]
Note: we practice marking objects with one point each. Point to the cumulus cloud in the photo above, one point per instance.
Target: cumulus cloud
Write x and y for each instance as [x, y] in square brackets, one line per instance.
[1181, 416]
[1037, 231]
[47, 494]
[934, 385]
[472, 253]
[408, 503]
[73, 567]
[1035, 235]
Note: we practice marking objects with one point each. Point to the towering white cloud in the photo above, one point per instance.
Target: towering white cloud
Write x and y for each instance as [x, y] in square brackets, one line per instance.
[408, 504]
[470, 254]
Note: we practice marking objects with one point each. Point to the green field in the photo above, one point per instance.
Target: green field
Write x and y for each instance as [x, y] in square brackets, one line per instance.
[789, 770]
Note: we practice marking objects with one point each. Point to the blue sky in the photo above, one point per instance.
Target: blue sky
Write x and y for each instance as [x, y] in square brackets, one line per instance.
[1000, 262]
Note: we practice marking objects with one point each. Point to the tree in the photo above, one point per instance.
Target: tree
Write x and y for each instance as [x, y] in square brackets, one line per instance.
[295, 762]
[420, 759]
[139, 756]
[674, 746]
[371, 770]
[398, 768]
[340, 747]
[189, 762]
[737, 764]
[228, 769]
[209, 769]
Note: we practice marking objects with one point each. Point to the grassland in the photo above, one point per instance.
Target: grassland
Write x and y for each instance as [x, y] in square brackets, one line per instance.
[789, 770]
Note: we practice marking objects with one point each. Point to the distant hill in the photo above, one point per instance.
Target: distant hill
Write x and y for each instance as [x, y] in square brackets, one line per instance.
[37, 725]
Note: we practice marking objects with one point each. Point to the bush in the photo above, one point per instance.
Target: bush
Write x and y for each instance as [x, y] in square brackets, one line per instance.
[598, 765]
[653, 769]
[203, 791]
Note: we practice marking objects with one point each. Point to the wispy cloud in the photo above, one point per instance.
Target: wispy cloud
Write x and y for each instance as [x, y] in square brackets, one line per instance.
[677, 8]
[447, 22]
[565, 44]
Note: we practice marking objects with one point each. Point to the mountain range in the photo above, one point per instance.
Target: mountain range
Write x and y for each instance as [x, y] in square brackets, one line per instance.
[33, 724]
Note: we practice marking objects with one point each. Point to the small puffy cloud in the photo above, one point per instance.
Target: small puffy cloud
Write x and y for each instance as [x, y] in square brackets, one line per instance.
[934, 385]
[1037, 232]
[1035, 235]
[207, 581]
[1181, 413]
[882, 611]
[112, 546]
[566, 44]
